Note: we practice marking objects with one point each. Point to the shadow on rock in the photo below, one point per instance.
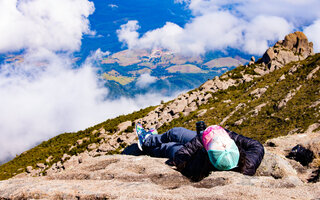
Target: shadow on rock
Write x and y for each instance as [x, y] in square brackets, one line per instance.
[132, 150]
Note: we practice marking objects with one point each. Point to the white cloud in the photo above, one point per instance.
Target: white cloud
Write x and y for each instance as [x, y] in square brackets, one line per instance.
[248, 25]
[298, 12]
[313, 33]
[263, 29]
[145, 79]
[47, 94]
[128, 33]
[52, 24]
[39, 102]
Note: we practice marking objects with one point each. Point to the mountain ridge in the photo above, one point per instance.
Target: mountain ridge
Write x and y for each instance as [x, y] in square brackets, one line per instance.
[262, 100]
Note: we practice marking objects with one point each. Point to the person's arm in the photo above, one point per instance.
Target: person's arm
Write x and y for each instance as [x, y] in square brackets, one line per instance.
[185, 153]
[253, 149]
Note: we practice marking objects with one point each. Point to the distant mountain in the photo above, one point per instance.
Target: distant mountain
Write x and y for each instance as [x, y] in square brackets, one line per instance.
[172, 72]
[275, 96]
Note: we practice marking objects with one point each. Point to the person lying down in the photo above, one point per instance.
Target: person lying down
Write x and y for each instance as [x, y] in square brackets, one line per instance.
[196, 154]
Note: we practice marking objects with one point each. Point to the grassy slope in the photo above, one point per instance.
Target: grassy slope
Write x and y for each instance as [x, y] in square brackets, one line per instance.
[270, 122]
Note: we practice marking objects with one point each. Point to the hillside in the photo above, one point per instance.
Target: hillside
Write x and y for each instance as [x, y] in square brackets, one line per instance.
[275, 96]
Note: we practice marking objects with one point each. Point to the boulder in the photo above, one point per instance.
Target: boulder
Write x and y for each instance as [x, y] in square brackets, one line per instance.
[283, 145]
[29, 169]
[239, 122]
[298, 43]
[105, 147]
[294, 47]
[314, 146]
[65, 157]
[202, 112]
[49, 159]
[41, 165]
[177, 106]
[72, 162]
[94, 132]
[257, 93]
[79, 142]
[192, 98]
[124, 125]
[275, 166]
[310, 75]
[207, 85]
[92, 146]
[102, 131]
[207, 97]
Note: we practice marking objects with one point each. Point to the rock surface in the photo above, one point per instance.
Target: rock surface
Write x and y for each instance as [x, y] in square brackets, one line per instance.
[137, 176]
[294, 47]
[144, 177]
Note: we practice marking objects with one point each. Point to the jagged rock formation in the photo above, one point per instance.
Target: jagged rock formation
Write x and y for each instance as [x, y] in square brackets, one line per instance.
[294, 47]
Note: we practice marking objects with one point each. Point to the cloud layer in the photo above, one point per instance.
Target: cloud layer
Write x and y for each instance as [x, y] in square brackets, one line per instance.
[145, 80]
[313, 33]
[39, 102]
[55, 25]
[248, 25]
[48, 94]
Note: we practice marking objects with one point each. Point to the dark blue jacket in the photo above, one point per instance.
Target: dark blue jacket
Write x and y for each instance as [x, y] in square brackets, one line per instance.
[193, 160]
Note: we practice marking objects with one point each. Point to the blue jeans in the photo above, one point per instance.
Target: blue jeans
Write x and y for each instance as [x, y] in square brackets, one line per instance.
[167, 144]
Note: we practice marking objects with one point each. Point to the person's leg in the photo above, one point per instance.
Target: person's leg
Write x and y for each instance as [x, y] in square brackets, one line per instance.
[179, 135]
[166, 144]
[166, 150]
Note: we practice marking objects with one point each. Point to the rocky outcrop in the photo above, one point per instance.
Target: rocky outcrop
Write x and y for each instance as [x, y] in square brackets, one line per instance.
[124, 125]
[235, 110]
[288, 97]
[311, 75]
[185, 103]
[294, 47]
[257, 93]
[310, 140]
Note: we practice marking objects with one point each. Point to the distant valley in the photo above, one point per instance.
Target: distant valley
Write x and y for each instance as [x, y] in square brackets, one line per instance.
[168, 72]
[128, 73]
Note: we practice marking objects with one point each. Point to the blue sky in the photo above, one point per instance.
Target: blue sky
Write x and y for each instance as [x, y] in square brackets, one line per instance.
[249, 25]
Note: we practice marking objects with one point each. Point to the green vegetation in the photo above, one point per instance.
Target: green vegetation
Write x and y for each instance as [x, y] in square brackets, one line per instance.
[271, 121]
[123, 80]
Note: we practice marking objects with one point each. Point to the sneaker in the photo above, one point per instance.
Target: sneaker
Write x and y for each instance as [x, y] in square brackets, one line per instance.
[142, 135]
[153, 131]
